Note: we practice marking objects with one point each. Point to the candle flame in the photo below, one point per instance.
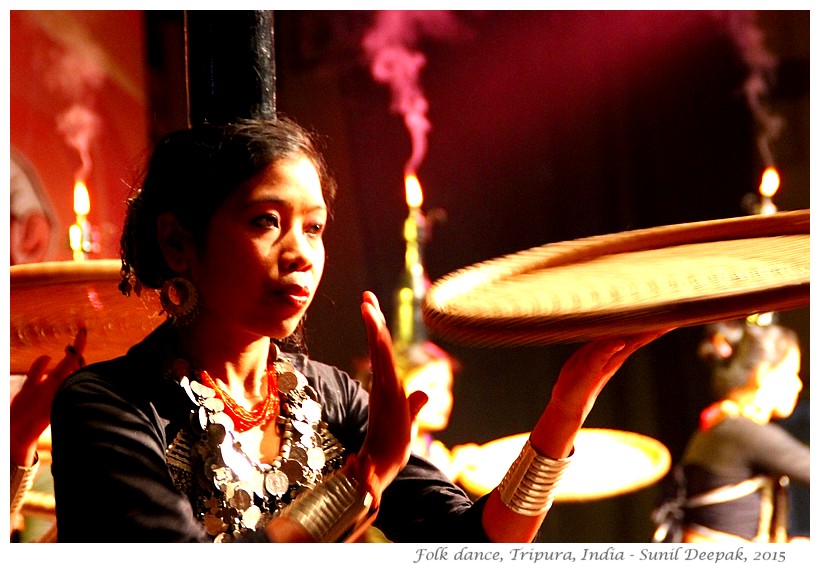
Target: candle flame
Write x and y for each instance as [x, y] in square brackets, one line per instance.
[82, 202]
[412, 190]
[770, 182]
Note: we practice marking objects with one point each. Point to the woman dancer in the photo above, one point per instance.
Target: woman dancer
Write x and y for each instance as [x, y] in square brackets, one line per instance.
[218, 427]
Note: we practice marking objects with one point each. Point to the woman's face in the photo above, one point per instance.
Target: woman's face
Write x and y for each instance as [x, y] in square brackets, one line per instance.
[264, 256]
[783, 384]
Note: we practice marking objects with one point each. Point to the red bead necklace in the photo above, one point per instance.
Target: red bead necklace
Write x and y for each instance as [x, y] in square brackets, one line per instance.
[242, 418]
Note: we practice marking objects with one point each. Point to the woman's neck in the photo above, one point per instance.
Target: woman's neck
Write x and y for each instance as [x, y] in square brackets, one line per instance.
[239, 365]
[746, 409]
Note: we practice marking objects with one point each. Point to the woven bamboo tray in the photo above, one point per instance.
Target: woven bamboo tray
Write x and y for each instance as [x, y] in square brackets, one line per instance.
[49, 301]
[618, 284]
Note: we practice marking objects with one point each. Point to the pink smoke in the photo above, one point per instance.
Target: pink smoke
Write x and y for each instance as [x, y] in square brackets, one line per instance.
[390, 46]
[77, 74]
[79, 125]
[751, 42]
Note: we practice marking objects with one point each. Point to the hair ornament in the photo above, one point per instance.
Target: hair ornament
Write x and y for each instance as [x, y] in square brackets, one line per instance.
[129, 281]
[722, 346]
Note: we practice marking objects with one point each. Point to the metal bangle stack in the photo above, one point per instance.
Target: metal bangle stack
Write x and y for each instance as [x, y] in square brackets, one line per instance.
[529, 486]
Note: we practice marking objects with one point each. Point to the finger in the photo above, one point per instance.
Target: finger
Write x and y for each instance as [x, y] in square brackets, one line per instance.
[370, 308]
[375, 337]
[600, 353]
[71, 362]
[631, 344]
[370, 323]
[370, 298]
[376, 323]
[416, 402]
[80, 340]
[380, 344]
[645, 338]
[38, 368]
[635, 342]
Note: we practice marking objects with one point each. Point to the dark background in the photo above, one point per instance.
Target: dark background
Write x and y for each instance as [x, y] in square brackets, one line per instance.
[546, 126]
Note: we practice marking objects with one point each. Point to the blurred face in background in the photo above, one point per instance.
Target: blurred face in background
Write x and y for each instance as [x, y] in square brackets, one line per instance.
[435, 378]
[781, 384]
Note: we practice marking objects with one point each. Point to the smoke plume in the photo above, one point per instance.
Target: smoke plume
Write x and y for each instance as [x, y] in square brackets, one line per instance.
[76, 73]
[79, 125]
[390, 45]
[750, 40]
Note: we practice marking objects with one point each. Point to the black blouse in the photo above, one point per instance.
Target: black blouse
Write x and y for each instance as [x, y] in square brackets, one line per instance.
[111, 424]
[734, 450]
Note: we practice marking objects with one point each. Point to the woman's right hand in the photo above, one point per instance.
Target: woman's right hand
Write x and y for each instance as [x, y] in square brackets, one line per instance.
[386, 447]
[389, 433]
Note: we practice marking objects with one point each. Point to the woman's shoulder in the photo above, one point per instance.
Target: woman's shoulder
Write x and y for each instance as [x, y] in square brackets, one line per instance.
[753, 435]
[343, 399]
[321, 375]
[330, 382]
[103, 374]
[744, 425]
[133, 376]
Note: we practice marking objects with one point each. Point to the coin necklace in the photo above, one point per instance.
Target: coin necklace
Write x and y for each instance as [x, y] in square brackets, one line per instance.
[231, 493]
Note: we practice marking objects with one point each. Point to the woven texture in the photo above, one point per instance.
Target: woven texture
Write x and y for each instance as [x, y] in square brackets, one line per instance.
[51, 300]
[614, 285]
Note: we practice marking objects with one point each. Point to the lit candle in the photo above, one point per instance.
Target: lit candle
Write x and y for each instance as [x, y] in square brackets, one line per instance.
[79, 234]
[414, 225]
[412, 191]
[414, 282]
[769, 184]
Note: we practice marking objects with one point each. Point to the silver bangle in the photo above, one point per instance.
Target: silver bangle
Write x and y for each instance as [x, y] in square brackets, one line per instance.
[332, 509]
[22, 479]
[529, 486]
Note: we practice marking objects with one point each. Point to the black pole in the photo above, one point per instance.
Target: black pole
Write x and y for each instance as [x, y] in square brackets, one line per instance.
[230, 65]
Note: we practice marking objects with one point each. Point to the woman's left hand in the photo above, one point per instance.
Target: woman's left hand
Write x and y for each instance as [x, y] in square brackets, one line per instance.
[387, 445]
[581, 380]
[30, 408]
